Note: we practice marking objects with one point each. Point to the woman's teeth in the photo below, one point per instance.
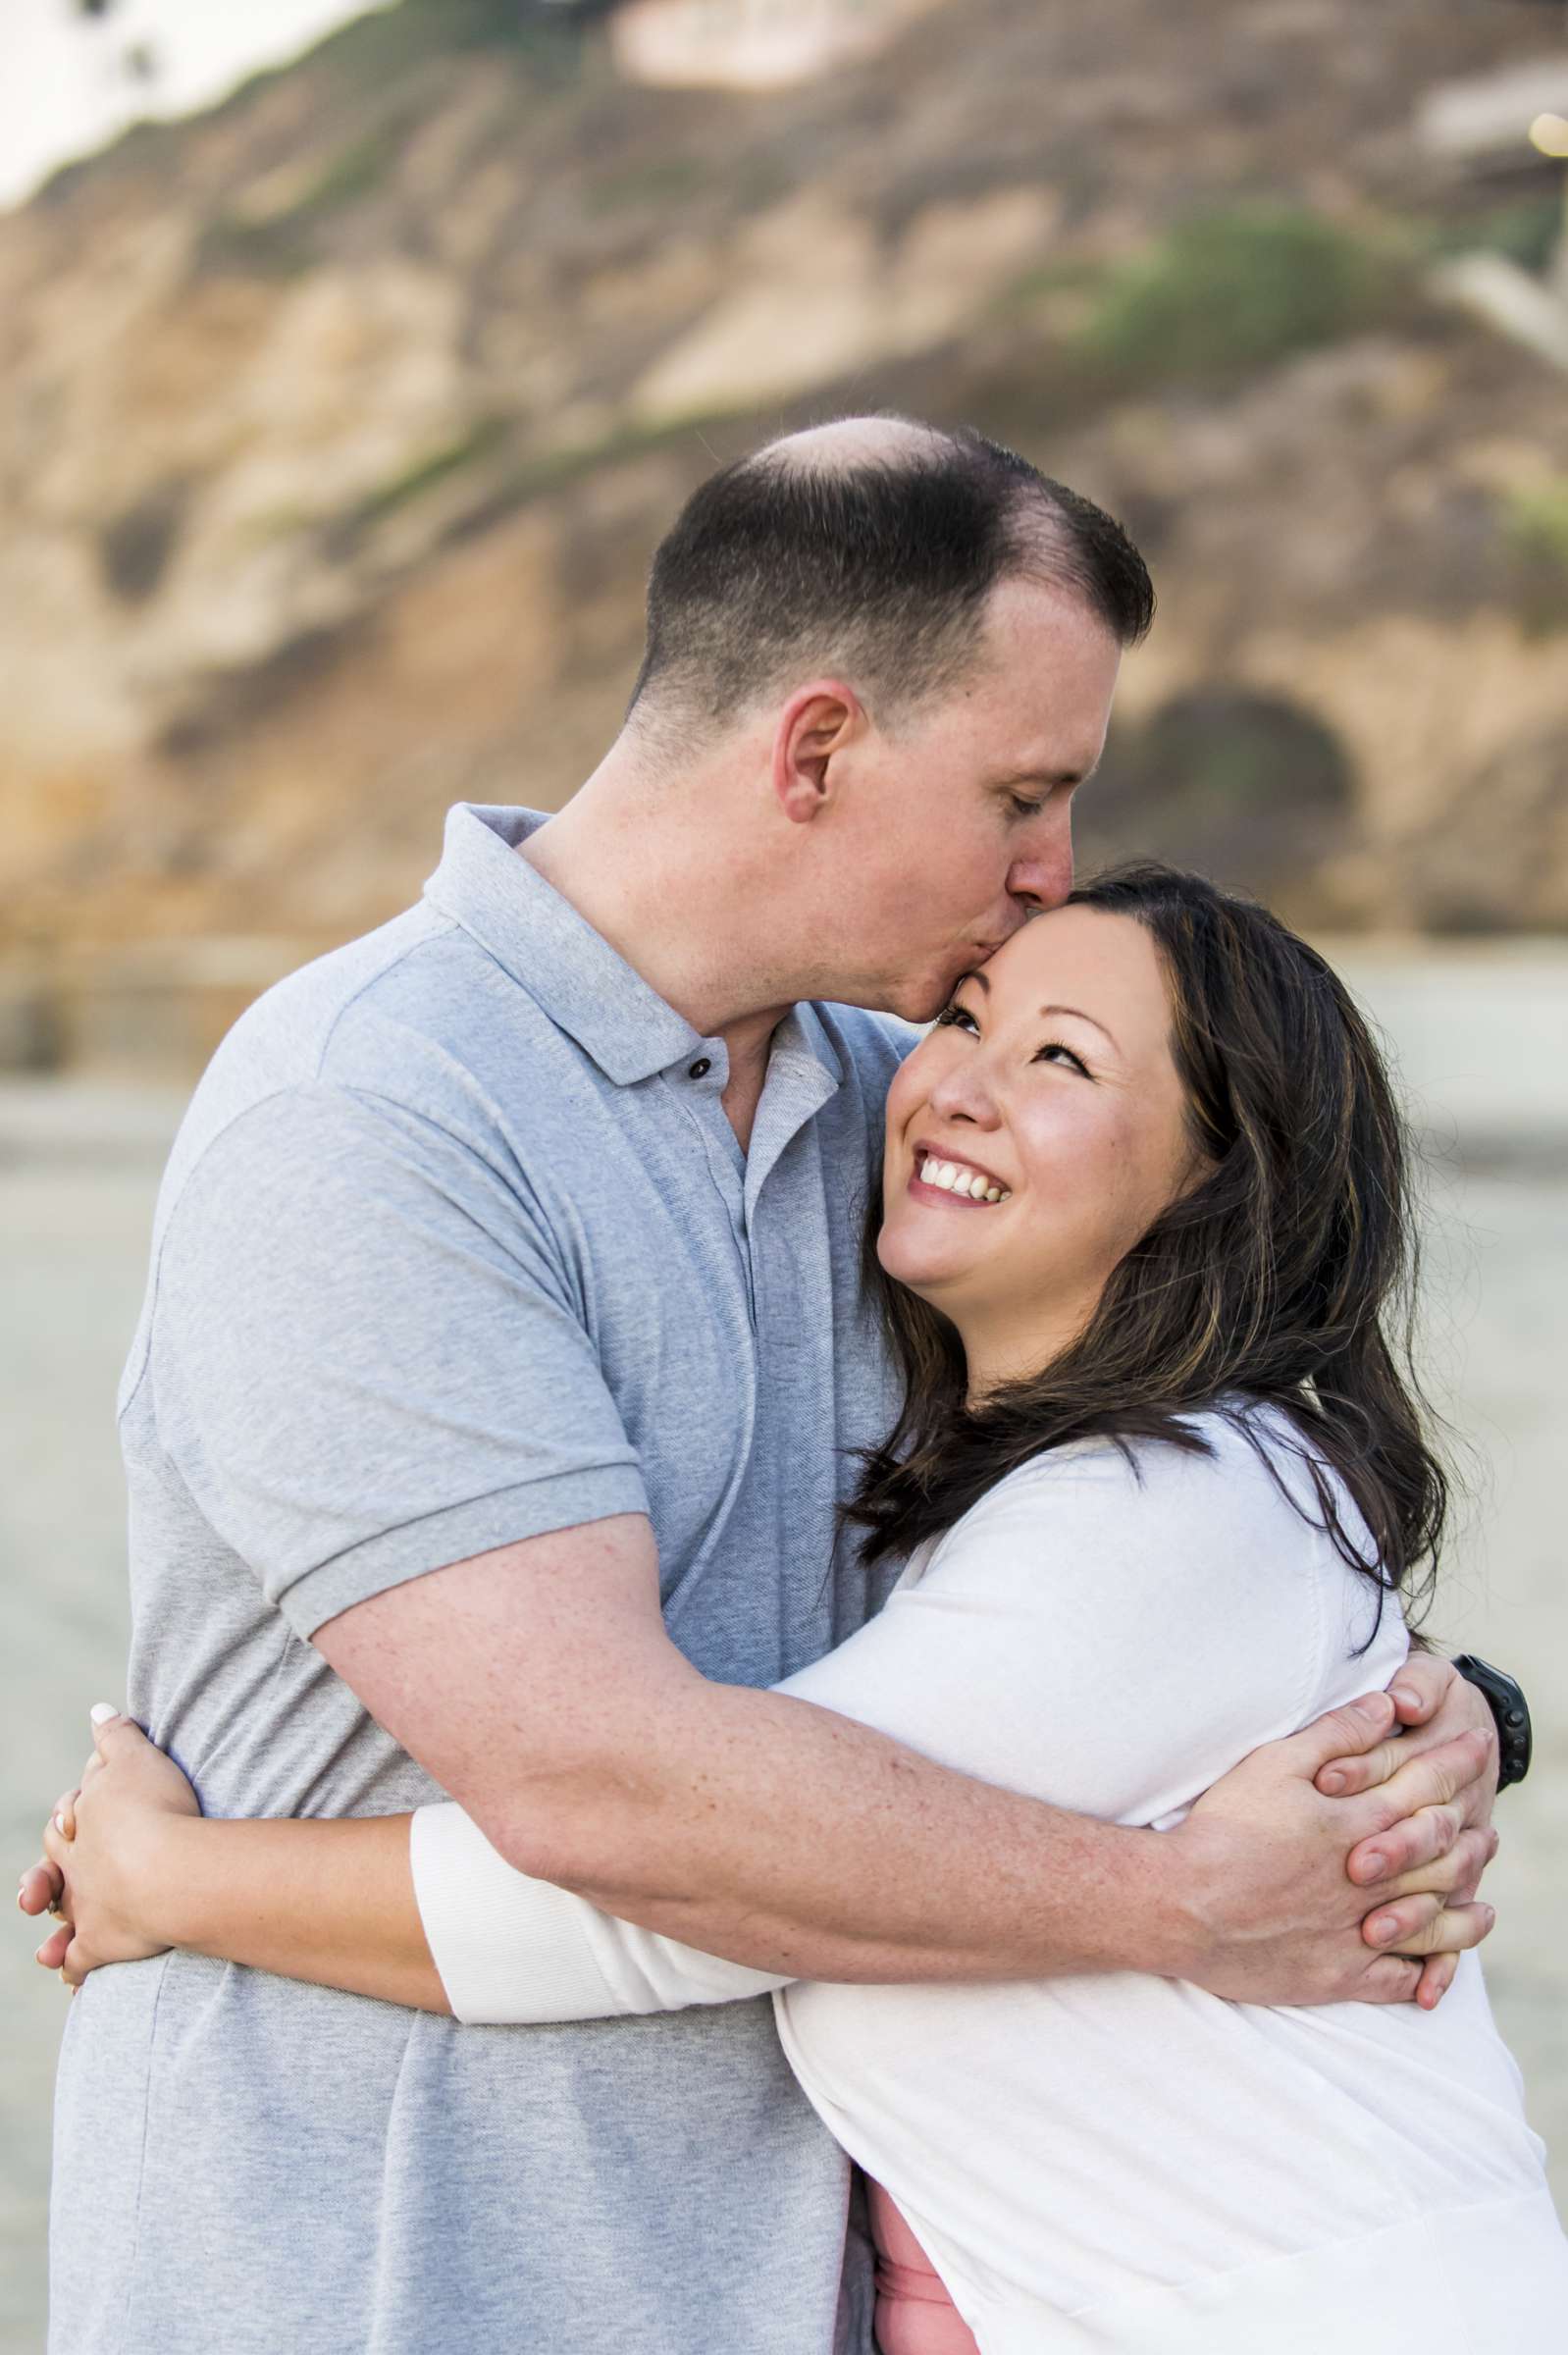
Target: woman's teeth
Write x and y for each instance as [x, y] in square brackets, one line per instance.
[952, 1177]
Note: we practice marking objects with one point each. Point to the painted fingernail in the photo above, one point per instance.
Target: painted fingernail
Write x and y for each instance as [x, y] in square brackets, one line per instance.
[101, 1712]
[59, 1825]
[1330, 1784]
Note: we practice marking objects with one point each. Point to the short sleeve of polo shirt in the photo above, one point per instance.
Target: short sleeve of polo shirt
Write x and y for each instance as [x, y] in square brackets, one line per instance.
[365, 1353]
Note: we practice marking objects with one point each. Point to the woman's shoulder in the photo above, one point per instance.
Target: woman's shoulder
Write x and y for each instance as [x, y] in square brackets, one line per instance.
[1239, 1474]
[1236, 1441]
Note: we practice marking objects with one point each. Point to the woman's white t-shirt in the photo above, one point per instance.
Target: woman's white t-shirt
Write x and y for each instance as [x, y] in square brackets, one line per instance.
[1121, 2161]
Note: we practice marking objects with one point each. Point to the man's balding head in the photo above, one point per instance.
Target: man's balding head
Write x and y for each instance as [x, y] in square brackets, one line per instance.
[849, 441]
[866, 549]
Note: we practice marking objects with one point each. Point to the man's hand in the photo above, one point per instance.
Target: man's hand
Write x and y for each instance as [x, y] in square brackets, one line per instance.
[1280, 1878]
[1436, 1703]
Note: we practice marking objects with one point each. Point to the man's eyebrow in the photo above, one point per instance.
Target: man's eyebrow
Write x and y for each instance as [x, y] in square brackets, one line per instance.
[1048, 776]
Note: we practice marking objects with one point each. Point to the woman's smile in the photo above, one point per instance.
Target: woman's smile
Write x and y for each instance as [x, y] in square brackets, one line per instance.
[947, 1180]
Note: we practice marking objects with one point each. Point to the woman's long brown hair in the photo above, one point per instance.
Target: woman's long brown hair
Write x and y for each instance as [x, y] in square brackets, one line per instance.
[1287, 1276]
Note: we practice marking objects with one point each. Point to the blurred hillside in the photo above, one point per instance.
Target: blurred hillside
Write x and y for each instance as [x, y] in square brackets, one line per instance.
[337, 425]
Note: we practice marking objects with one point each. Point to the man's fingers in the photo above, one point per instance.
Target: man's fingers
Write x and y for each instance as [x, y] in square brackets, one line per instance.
[1345, 1778]
[1421, 1687]
[1399, 1853]
[1389, 1980]
[1437, 1977]
[1423, 1785]
[1424, 1925]
[1457, 1874]
[1345, 1733]
[56, 1845]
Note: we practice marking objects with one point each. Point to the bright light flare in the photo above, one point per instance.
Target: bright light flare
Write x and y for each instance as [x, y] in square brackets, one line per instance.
[1550, 132]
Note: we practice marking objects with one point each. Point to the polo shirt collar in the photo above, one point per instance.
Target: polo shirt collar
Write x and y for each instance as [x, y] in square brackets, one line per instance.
[585, 986]
[569, 970]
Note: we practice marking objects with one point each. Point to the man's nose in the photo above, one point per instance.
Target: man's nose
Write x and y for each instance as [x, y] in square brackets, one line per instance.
[1043, 877]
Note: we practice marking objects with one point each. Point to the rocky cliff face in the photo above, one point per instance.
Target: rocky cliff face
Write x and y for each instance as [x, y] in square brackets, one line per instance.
[337, 427]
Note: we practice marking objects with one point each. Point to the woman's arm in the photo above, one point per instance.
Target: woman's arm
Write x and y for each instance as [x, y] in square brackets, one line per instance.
[144, 1870]
[335, 1902]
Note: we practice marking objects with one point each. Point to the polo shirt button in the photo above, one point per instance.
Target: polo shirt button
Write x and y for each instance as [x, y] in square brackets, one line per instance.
[700, 1069]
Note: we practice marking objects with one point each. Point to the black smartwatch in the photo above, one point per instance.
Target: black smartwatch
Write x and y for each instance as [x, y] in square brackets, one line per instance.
[1510, 1710]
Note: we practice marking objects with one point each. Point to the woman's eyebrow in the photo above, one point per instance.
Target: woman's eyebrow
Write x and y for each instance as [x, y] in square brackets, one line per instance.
[1079, 1014]
[1076, 1011]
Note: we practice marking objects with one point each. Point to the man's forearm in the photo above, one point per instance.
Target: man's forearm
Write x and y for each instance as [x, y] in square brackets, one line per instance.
[778, 1834]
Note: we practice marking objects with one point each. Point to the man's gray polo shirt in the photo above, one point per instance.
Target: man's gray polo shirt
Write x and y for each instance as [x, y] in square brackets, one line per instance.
[455, 1247]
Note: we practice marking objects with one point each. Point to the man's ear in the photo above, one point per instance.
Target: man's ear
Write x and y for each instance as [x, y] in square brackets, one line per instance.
[814, 728]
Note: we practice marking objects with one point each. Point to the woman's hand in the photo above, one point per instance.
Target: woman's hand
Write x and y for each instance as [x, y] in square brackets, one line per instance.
[101, 1845]
[133, 1868]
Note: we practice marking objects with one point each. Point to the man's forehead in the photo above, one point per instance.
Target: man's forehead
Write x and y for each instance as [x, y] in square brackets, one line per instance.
[1048, 675]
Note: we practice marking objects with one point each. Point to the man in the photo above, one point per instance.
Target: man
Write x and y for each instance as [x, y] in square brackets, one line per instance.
[503, 1364]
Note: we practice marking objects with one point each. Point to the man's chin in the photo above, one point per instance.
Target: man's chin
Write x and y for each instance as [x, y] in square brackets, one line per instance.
[923, 1002]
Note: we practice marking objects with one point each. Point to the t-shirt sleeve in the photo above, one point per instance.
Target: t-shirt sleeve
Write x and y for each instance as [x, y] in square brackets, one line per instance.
[366, 1355]
[1106, 1635]
[509, 1948]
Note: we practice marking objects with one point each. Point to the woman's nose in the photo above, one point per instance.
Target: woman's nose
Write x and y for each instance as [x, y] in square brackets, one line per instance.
[964, 1093]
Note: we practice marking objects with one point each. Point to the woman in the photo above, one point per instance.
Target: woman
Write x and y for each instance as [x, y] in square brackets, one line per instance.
[1145, 1220]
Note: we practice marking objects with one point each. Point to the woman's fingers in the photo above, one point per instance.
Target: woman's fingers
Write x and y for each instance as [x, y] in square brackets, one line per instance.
[75, 1965]
[64, 1816]
[41, 1887]
[52, 1954]
[1425, 1925]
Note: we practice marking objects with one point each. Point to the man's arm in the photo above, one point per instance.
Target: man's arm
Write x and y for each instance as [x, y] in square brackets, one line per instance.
[335, 1902]
[538, 1686]
[337, 1426]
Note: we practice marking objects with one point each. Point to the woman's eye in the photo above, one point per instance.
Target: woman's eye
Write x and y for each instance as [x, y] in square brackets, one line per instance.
[951, 1015]
[1077, 1062]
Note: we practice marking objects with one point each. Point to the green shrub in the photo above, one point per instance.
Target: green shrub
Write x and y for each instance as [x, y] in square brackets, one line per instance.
[425, 473]
[1525, 232]
[1224, 293]
[1536, 534]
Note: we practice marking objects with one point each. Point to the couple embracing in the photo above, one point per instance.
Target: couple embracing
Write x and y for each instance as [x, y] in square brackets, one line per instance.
[743, 1589]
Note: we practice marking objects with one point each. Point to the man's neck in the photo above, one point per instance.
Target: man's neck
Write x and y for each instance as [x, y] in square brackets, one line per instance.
[681, 911]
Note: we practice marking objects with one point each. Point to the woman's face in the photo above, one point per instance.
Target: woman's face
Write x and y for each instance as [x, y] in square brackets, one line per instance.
[1048, 1091]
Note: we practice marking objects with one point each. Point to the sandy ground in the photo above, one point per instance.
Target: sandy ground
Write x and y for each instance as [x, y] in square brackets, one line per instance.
[1481, 1038]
